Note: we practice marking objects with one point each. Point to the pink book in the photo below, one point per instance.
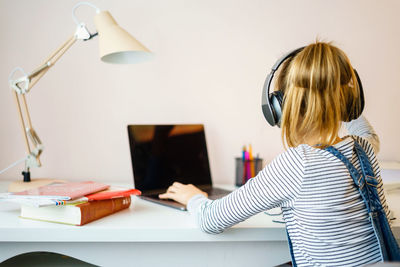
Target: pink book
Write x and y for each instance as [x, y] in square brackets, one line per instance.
[65, 191]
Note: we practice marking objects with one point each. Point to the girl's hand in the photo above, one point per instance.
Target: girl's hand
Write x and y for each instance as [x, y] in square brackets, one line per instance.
[181, 193]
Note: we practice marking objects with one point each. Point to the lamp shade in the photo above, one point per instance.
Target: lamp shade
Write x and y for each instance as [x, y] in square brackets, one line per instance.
[115, 44]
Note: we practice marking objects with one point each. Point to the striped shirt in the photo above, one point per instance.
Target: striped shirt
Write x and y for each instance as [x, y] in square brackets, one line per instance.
[325, 215]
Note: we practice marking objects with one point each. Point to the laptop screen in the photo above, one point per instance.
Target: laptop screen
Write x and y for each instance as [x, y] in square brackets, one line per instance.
[163, 154]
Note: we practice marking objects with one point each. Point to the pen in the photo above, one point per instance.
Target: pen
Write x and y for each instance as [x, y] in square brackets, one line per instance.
[258, 162]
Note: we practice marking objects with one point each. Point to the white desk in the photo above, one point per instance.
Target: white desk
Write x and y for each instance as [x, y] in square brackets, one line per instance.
[149, 235]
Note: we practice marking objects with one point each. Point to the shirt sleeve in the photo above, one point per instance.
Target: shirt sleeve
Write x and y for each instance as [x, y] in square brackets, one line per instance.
[278, 184]
[361, 127]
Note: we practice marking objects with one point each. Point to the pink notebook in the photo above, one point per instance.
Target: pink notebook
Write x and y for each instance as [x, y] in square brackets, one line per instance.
[64, 191]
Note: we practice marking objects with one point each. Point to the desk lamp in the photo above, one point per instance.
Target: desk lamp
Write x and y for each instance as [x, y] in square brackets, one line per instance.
[115, 45]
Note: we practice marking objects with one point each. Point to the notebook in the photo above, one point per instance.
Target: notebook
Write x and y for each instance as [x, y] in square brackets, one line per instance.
[65, 191]
[163, 154]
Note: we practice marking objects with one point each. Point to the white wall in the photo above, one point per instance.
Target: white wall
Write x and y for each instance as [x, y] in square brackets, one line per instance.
[211, 59]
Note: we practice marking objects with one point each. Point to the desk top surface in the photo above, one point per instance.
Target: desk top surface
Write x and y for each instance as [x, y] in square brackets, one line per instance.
[146, 222]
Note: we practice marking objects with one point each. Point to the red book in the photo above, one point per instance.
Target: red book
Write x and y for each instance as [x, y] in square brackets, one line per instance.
[112, 194]
[79, 213]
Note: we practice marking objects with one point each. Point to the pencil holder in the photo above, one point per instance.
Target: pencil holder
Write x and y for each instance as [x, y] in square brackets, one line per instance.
[246, 169]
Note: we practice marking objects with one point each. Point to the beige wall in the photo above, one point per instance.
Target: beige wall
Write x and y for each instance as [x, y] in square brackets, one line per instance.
[211, 59]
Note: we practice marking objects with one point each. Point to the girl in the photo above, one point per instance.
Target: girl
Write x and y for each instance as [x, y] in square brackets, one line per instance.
[326, 218]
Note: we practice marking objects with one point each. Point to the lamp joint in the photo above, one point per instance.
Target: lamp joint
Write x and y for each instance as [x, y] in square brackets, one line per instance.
[21, 85]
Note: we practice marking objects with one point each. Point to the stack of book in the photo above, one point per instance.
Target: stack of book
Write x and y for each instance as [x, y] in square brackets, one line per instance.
[75, 203]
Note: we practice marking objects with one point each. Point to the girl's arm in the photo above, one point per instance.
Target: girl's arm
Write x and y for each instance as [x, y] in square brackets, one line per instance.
[278, 184]
[361, 127]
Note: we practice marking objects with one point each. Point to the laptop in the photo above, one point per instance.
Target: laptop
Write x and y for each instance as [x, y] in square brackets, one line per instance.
[163, 154]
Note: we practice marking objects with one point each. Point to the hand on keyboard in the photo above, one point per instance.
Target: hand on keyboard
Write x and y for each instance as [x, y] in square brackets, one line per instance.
[181, 193]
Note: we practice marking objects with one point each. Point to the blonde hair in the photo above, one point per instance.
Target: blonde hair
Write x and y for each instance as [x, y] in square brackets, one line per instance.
[320, 90]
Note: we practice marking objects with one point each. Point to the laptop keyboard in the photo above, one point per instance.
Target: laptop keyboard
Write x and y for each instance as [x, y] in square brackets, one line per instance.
[213, 193]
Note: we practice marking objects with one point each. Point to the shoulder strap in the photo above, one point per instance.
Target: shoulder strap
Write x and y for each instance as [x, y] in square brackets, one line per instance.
[355, 174]
[357, 177]
[367, 186]
[364, 160]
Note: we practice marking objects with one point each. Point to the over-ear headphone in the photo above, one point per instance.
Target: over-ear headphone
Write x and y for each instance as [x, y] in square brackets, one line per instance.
[272, 103]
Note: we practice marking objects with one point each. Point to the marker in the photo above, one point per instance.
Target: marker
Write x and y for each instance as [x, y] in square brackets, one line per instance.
[252, 171]
[244, 165]
[248, 168]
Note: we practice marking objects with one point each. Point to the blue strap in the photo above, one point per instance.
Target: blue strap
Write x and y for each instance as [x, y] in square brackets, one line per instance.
[367, 186]
[364, 161]
[371, 182]
[358, 178]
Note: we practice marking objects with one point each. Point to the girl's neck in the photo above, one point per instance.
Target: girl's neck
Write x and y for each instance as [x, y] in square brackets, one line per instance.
[314, 141]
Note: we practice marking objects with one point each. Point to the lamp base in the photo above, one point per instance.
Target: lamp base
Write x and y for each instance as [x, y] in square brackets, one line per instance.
[19, 186]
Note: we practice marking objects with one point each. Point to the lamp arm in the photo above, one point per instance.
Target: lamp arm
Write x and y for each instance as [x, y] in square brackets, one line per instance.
[38, 73]
[21, 87]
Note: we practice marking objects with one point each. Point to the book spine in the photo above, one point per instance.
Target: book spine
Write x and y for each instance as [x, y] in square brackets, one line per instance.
[97, 209]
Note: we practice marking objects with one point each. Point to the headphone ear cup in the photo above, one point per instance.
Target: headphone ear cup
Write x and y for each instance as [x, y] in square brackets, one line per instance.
[354, 114]
[276, 102]
[271, 103]
[361, 96]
